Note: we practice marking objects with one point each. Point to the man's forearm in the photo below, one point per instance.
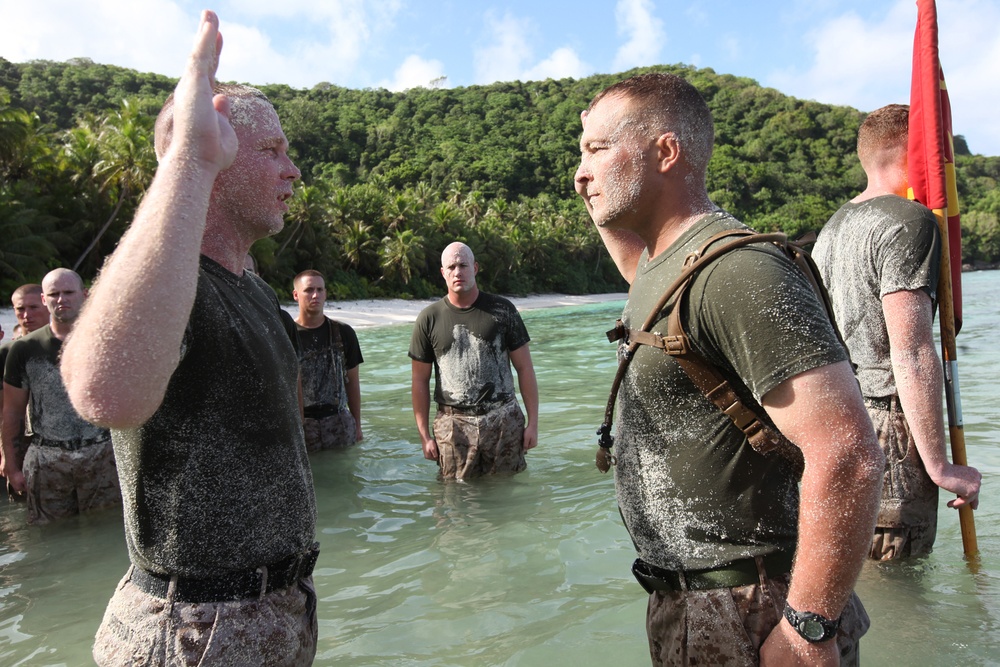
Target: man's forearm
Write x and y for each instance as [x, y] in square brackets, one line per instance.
[920, 383]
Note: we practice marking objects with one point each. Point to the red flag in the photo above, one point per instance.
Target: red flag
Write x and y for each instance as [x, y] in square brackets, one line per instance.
[930, 154]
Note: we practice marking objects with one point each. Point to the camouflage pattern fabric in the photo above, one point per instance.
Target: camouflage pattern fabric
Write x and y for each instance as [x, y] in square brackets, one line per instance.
[21, 443]
[333, 432]
[907, 517]
[727, 626]
[140, 630]
[475, 445]
[63, 483]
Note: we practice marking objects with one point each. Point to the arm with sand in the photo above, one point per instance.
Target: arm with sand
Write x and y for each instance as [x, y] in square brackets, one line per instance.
[528, 384]
[126, 345]
[821, 411]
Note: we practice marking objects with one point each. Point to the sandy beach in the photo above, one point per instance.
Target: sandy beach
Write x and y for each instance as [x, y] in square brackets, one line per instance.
[382, 312]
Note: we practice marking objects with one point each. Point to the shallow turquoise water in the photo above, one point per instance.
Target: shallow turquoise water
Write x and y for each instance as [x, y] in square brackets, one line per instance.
[528, 570]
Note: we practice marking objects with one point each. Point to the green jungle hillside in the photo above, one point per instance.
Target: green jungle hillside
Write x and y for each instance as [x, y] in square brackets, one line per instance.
[390, 178]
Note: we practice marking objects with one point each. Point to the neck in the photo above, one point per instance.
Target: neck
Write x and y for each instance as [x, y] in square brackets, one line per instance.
[464, 299]
[225, 245]
[310, 320]
[663, 235]
[60, 329]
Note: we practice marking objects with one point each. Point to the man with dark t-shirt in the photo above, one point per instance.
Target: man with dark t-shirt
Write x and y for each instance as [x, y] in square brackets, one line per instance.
[725, 537]
[470, 339]
[184, 355]
[880, 259]
[31, 315]
[70, 466]
[329, 356]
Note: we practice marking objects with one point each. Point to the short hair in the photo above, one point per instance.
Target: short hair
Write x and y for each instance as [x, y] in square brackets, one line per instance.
[308, 273]
[884, 130]
[27, 290]
[239, 111]
[669, 103]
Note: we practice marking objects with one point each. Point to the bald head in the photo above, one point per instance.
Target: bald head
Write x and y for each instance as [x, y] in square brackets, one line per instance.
[457, 250]
[63, 295]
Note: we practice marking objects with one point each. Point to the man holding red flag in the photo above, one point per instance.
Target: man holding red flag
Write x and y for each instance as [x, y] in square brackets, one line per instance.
[880, 259]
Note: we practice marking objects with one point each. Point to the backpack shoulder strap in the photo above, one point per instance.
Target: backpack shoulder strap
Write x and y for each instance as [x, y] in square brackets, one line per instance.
[764, 438]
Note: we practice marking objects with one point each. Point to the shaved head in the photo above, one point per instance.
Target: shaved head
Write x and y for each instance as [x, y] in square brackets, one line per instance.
[457, 249]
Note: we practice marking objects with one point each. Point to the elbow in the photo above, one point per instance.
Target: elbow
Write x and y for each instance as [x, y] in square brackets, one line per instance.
[109, 409]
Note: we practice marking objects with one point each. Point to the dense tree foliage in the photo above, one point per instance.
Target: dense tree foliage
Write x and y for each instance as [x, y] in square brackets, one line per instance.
[390, 178]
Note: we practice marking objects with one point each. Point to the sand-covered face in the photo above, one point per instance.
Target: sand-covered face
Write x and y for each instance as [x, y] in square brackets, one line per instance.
[615, 169]
[254, 189]
[459, 268]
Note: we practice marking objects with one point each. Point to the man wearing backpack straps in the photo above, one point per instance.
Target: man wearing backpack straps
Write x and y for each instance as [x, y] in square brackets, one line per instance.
[329, 357]
[880, 259]
[716, 524]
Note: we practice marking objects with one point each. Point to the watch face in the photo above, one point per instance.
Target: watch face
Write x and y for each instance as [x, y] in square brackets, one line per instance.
[811, 629]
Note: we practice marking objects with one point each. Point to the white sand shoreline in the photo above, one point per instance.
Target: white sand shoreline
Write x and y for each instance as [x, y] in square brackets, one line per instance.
[382, 312]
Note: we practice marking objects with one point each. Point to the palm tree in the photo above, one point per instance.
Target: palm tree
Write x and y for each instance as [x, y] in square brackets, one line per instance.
[127, 161]
[402, 255]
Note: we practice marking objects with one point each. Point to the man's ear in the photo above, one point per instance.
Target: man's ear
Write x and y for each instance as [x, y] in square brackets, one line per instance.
[295, 295]
[668, 151]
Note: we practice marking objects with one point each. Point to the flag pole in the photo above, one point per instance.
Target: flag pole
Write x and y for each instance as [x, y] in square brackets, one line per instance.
[953, 396]
[931, 173]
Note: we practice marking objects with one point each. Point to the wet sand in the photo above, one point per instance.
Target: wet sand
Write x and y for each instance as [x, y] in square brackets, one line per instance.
[382, 312]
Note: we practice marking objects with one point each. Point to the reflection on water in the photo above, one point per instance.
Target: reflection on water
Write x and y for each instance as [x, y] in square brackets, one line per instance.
[524, 570]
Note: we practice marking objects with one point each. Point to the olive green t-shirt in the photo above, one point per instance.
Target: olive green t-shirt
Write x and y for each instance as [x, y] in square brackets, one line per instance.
[470, 349]
[692, 491]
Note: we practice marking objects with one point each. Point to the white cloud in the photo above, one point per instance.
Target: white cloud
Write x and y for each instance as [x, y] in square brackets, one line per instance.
[564, 62]
[509, 55]
[502, 60]
[644, 32]
[415, 72]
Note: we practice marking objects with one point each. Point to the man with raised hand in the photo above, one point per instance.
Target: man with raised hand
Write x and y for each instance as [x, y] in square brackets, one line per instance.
[69, 467]
[741, 563]
[183, 354]
[880, 258]
[470, 339]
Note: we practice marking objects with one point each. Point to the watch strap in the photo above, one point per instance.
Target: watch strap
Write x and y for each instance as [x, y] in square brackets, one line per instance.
[812, 627]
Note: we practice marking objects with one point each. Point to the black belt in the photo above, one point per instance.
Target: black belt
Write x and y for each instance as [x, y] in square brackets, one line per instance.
[473, 410]
[70, 445]
[321, 411]
[886, 403]
[233, 586]
[738, 573]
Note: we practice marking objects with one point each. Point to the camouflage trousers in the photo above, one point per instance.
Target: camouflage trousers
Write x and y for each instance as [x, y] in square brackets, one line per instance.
[727, 626]
[333, 432]
[64, 482]
[277, 630]
[907, 517]
[21, 443]
[475, 445]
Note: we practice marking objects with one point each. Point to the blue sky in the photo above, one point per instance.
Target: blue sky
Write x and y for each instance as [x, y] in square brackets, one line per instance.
[853, 52]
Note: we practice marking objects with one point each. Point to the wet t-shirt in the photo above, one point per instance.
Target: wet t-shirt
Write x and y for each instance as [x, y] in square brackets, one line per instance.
[470, 348]
[692, 491]
[325, 362]
[218, 479]
[33, 365]
[867, 250]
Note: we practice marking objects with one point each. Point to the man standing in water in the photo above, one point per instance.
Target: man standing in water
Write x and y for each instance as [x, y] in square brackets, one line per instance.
[184, 355]
[470, 338]
[31, 315]
[880, 258]
[715, 523]
[70, 466]
[329, 356]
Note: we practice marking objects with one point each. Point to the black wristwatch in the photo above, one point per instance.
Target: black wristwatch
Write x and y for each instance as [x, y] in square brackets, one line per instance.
[813, 627]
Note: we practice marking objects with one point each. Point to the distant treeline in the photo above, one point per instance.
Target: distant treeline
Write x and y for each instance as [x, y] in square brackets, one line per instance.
[390, 178]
